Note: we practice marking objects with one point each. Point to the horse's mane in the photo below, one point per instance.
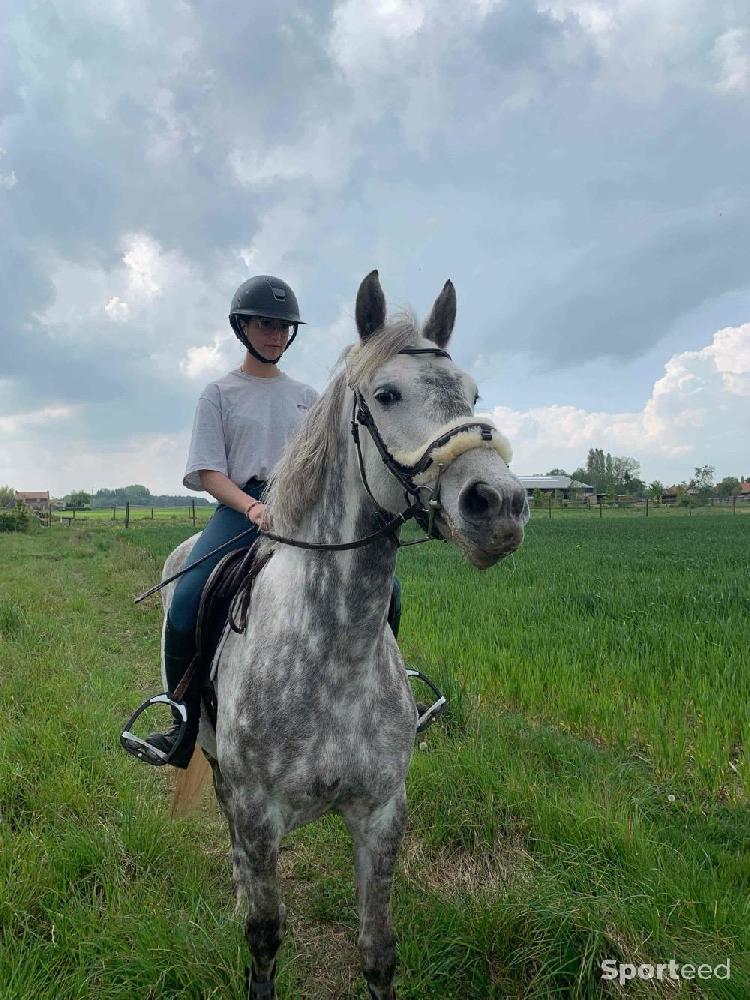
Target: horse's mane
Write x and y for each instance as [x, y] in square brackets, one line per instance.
[297, 481]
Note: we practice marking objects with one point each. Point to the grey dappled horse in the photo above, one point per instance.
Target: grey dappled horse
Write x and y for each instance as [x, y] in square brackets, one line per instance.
[315, 713]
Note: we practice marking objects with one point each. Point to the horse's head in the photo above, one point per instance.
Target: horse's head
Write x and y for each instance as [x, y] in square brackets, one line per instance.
[415, 414]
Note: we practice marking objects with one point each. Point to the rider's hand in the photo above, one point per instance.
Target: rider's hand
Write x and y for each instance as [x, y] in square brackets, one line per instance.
[259, 514]
[266, 522]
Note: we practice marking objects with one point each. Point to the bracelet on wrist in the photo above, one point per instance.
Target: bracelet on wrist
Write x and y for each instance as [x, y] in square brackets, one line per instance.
[250, 507]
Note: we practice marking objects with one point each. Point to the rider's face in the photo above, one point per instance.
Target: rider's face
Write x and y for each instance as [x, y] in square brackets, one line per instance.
[268, 336]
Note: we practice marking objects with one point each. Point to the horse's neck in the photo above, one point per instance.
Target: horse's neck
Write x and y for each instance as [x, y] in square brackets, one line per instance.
[353, 587]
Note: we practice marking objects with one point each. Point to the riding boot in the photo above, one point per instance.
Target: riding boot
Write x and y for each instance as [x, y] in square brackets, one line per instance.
[179, 652]
[394, 607]
[394, 620]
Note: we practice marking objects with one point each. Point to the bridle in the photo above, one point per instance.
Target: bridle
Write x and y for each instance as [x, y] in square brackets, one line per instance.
[427, 466]
[432, 459]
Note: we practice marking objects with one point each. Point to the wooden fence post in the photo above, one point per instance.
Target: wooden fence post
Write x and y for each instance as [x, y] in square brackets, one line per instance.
[550, 505]
[646, 506]
[600, 508]
[734, 504]
[152, 513]
[192, 503]
[127, 513]
[114, 512]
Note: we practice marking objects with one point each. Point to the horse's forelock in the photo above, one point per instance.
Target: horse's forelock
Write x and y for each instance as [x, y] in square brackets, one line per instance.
[363, 360]
[297, 481]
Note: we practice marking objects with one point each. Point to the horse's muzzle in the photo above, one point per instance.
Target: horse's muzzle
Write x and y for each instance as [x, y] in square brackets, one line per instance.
[483, 508]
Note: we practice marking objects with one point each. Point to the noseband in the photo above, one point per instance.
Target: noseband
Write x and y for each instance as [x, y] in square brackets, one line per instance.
[422, 469]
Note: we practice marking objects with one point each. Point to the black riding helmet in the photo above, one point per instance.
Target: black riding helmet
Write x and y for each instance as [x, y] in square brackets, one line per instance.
[264, 295]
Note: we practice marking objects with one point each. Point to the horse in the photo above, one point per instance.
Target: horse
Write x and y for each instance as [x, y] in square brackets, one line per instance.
[314, 710]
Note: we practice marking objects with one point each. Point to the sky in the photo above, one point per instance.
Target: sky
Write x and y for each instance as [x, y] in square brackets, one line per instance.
[578, 168]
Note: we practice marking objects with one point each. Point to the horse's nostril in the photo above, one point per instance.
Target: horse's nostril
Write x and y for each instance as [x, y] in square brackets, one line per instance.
[478, 499]
[518, 501]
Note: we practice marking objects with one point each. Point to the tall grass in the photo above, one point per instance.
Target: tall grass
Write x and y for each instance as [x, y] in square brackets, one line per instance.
[585, 797]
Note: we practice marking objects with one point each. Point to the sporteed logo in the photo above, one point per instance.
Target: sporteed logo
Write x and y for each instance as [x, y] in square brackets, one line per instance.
[623, 972]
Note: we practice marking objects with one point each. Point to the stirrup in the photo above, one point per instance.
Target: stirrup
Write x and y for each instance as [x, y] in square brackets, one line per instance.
[436, 708]
[142, 749]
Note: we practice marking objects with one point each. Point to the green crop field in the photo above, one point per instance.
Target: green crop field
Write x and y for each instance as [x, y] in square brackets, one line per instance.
[585, 796]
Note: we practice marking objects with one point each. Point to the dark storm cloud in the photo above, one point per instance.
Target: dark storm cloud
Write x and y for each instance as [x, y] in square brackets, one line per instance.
[585, 192]
[619, 304]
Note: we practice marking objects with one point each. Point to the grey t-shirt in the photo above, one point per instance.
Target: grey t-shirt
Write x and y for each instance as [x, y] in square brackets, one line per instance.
[242, 423]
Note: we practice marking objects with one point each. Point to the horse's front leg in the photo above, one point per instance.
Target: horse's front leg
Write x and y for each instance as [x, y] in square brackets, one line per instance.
[255, 844]
[377, 838]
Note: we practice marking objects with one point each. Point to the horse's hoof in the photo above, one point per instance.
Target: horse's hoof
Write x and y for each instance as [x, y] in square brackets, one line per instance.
[257, 990]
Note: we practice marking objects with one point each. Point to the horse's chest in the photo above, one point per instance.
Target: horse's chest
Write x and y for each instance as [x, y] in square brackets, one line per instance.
[341, 767]
[312, 771]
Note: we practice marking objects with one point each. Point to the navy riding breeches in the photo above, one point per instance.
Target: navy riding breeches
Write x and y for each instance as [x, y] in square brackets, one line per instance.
[225, 524]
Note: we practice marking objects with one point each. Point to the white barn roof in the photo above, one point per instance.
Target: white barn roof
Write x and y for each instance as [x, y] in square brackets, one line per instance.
[552, 483]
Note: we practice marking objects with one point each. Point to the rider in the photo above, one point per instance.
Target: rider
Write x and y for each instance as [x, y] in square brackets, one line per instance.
[242, 423]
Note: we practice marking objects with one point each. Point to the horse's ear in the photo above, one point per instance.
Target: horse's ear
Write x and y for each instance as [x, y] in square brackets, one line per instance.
[370, 311]
[439, 326]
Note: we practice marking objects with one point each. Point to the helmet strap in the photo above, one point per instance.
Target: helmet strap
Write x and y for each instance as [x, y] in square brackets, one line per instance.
[266, 361]
[237, 327]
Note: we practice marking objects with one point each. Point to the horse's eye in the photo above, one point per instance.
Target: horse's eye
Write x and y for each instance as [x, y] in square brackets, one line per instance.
[387, 396]
[477, 397]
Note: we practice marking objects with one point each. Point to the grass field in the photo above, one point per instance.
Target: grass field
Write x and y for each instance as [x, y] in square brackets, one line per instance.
[586, 796]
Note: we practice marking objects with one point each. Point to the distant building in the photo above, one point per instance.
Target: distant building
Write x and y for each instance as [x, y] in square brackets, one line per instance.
[557, 485]
[34, 501]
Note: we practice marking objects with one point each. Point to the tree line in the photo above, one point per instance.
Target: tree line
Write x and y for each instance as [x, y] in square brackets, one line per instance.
[136, 495]
[620, 475]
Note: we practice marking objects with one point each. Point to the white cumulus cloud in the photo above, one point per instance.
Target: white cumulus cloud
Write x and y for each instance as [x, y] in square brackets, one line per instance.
[150, 270]
[116, 309]
[206, 360]
[15, 423]
[731, 53]
[697, 413]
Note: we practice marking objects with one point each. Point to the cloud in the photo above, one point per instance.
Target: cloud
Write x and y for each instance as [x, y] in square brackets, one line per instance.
[607, 303]
[322, 155]
[731, 53]
[369, 38]
[116, 309]
[208, 361]
[144, 276]
[7, 180]
[281, 231]
[19, 422]
[557, 158]
[157, 460]
[683, 424]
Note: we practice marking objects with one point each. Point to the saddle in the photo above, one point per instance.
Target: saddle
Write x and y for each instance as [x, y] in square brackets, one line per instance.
[225, 603]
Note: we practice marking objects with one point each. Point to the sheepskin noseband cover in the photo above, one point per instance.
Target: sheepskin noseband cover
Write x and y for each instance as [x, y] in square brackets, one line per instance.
[462, 439]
